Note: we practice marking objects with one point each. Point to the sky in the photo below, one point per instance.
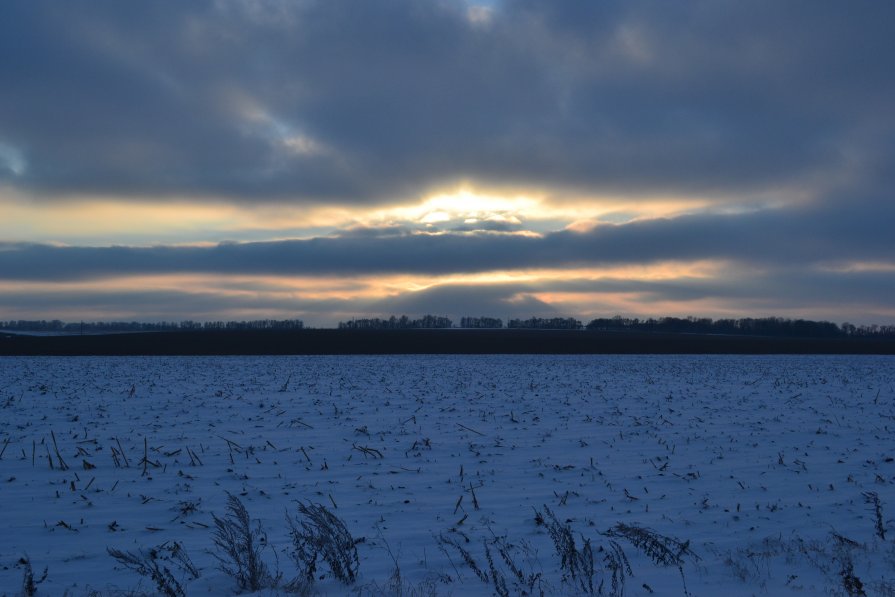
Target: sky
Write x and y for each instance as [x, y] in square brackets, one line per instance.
[323, 160]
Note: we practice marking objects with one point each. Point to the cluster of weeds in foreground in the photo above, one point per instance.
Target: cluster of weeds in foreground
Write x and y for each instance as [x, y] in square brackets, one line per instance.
[317, 534]
[512, 571]
[154, 563]
[577, 563]
[661, 549]
[240, 544]
[396, 586]
[580, 568]
[583, 572]
[510, 568]
[841, 560]
[321, 535]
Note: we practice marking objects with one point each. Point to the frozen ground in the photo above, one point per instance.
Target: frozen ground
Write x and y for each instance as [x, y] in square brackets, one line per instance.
[777, 471]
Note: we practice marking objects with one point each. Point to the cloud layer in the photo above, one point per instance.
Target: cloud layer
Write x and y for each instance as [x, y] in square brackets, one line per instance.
[358, 102]
[775, 119]
[785, 237]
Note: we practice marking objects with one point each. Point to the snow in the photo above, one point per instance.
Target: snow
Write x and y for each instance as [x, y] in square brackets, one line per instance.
[766, 465]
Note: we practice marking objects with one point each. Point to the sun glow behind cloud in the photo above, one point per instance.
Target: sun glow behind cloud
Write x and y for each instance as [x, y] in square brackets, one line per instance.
[470, 205]
[323, 299]
[104, 221]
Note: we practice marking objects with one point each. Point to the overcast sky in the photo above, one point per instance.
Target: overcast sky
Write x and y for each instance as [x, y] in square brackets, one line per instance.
[327, 159]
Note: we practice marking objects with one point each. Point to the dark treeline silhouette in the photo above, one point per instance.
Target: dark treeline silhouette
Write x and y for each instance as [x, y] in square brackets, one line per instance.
[763, 326]
[872, 330]
[537, 323]
[258, 324]
[479, 323]
[61, 327]
[436, 322]
[428, 322]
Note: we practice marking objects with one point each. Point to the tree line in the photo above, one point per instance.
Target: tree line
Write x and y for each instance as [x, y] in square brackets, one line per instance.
[93, 327]
[428, 322]
[553, 323]
[478, 323]
[761, 326]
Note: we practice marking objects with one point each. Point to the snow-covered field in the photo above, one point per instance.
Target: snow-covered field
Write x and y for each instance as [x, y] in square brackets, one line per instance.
[745, 475]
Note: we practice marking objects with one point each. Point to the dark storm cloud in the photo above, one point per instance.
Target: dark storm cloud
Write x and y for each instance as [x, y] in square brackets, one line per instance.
[783, 237]
[386, 99]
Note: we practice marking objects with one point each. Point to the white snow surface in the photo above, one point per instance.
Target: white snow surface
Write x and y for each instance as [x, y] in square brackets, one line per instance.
[772, 468]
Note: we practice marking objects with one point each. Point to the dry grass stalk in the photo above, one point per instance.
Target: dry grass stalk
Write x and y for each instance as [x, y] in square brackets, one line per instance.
[445, 541]
[577, 564]
[519, 581]
[320, 534]
[241, 545]
[661, 549]
[29, 583]
[123, 455]
[619, 568]
[151, 564]
[367, 451]
[59, 458]
[872, 498]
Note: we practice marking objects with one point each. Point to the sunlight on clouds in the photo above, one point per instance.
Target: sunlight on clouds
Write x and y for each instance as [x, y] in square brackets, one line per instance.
[252, 287]
[469, 205]
[463, 205]
[650, 272]
[435, 217]
[361, 287]
[90, 219]
[323, 300]
[141, 221]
